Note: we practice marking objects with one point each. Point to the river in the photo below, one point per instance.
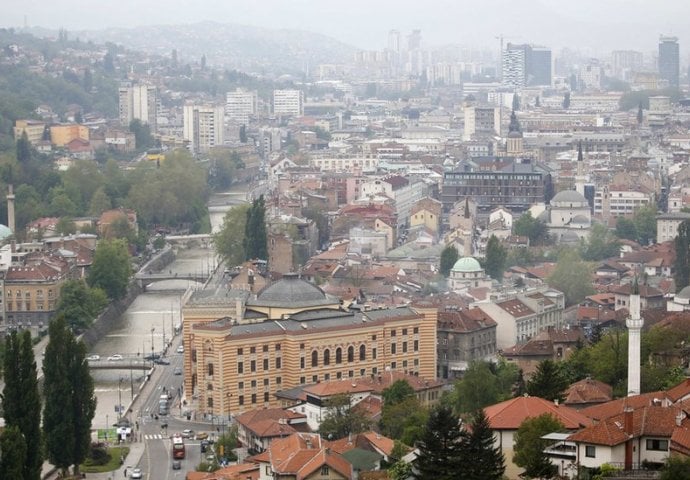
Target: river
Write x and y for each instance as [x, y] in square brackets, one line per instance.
[150, 320]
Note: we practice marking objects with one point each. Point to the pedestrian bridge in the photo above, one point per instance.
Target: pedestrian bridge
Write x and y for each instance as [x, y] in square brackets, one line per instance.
[144, 278]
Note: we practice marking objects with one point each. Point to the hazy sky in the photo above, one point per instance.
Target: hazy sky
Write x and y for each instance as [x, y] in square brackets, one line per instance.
[583, 24]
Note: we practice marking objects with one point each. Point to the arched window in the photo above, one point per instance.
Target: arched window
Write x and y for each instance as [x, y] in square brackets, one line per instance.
[314, 358]
[362, 352]
[327, 357]
[338, 355]
[350, 354]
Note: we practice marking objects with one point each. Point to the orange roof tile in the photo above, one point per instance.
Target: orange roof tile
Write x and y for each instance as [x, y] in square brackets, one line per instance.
[614, 407]
[588, 390]
[510, 414]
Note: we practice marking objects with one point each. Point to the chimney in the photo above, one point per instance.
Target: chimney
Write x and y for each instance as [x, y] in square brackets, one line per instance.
[628, 420]
[555, 401]
[10, 210]
[680, 416]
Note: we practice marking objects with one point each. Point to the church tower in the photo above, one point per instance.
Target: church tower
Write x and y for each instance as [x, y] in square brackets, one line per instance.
[634, 323]
[514, 143]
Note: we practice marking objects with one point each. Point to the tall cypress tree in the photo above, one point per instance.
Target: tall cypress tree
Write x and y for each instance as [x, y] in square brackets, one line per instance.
[255, 237]
[21, 401]
[485, 461]
[13, 449]
[70, 402]
[441, 447]
[682, 266]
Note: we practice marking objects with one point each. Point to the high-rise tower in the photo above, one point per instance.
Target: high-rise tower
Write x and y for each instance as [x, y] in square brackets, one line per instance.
[669, 60]
[634, 323]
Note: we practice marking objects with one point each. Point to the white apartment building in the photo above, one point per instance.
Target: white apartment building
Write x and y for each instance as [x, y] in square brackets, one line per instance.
[138, 101]
[351, 165]
[400, 189]
[240, 105]
[616, 203]
[288, 102]
[481, 120]
[203, 127]
[667, 225]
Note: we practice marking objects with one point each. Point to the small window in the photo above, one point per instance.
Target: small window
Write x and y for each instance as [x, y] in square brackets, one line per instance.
[394, 348]
[338, 355]
[657, 445]
[279, 380]
[302, 380]
[301, 362]
[415, 345]
[314, 358]
[266, 380]
[265, 364]
[327, 357]
[240, 367]
[210, 369]
[324, 470]
[253, 398]
[350, 354]
[277, 347]
[279, 362]
[265, 348]
[252, 350]
[362, 352]
[240, 399]
[404, 331]
[265, 396]
[240, 385]
[393, 333]
[209, 402]
[590, 451]
[253, 366]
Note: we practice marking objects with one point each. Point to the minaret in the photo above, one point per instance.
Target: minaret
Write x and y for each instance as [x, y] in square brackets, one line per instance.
[10, 210]
[634, 323]
[580, 173]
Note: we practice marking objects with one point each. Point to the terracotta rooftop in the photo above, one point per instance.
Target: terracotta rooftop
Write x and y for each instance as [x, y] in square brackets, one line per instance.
[588, 391]
[464, 321]
[614, 407]
[645, 290]
[345, 386]
[654, 421]
[516, 308]
[510, 414]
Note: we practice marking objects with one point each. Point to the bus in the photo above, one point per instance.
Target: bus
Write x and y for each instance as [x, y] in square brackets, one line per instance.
[178, 450]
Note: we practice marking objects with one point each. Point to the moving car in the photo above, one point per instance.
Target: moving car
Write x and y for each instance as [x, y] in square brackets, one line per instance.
[161, 361]
[136, 473]
[187, 433]
[202, 435]
[93, 358]
[116, 358]
[180, 349]
[176, 465]
[178, 371]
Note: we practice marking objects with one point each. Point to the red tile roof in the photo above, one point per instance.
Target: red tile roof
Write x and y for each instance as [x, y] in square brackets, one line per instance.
[516, 308]
[588, 391]
[680, 391]
[510, 414]
[614, 407]
[653, 421]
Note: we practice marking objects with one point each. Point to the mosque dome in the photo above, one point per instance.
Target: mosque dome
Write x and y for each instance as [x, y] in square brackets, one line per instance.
[5, 232]
[568, 196]
[292, 291]
[467, 264]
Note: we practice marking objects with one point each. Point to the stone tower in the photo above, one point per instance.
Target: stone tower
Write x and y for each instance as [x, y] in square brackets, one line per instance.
[10, 210]
[634, 323]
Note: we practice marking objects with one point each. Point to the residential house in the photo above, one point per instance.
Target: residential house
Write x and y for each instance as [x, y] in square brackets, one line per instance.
[110, 219]
[650, 297]
[302, 456]
[464, 336]
[586, 393]
[258, 428]
[506, 417]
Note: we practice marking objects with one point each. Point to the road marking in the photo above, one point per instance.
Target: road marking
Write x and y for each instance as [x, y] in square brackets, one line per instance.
[156, 436]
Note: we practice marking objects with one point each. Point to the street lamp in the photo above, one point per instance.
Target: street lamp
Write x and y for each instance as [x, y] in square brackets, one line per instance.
[153, 329]
[119, 396]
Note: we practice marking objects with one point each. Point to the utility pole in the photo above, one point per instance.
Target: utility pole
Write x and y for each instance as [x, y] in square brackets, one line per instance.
[152, 330]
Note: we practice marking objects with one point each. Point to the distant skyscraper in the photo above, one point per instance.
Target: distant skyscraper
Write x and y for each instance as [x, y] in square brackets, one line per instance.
[514, 65]
[538, 66]
[625, 62]
[288, 102]
[203, 126]
[138, 101]
[394, 41]
[526, 65]
[414, 40]
[669, 60]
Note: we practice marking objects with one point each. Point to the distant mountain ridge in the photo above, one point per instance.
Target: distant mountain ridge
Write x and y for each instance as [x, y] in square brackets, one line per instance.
[246, 48]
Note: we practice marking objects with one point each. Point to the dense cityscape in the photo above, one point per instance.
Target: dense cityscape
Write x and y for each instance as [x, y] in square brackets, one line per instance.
[230, 252]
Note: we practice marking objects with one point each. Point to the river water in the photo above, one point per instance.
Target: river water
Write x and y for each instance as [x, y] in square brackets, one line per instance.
[150, 320]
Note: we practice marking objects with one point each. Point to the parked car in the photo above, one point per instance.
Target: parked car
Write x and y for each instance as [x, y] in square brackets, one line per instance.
[136, 473]
[116, 358]
[161, 361]
[93, 358]
[202, 435]
[180, 349]
[176, 465]
[178, 371]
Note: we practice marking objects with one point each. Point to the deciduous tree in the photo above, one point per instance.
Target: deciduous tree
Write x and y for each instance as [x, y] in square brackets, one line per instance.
[111, 269]
[529, 446]
[342, 419]
[12, 453]
[229, 241]
[682, 264]
[80, 304]
[496, 256]
[572, 276]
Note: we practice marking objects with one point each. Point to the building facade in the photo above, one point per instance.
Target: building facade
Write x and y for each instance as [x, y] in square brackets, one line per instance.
[288, 102]
[240, 349]
[138, 101]
[203, 127]
[669, 60]
[241, 105]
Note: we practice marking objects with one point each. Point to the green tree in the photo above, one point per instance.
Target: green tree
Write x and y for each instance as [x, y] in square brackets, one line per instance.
[572, 276]
[640, 114]
[24, 149]
[486, 462]
[676, 468]
[682, 265]
[142, 134]
[229, 241]
[21, 401]
[529, 446]
[548, 382]
[255, 237]
[645, 224]
[403, 420]
[530, 227]
[226, 443]
[80, 304]
[400, 470]
[441, 447]
[625, 229]
[111, 268]
[516, 102]
[399, 391]
[483, 384]
[449, 256]
[13, 453]
[495, 260]
[341, 419]
[70, 402]
[601, 244]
